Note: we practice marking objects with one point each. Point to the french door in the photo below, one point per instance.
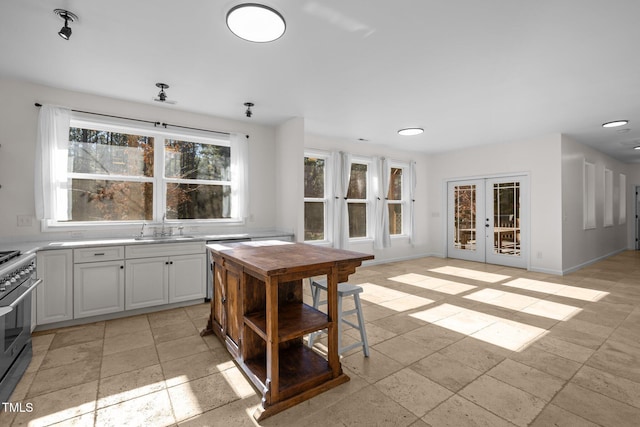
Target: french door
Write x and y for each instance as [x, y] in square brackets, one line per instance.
[487, 220]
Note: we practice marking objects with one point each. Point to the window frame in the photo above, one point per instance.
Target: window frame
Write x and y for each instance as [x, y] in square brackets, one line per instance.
[159, 181]
[368, 200]
[327, 200]
[404, 199]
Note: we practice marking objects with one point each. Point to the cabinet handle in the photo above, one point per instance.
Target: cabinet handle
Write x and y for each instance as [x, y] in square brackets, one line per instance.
[224, 300]
[121, 267]
[171, 262]
[166, 263]
[98, 253]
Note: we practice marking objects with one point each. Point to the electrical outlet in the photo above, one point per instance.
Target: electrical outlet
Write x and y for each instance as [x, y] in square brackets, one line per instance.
[24, 221]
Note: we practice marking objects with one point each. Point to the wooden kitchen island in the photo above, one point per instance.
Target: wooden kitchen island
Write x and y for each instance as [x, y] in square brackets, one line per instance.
[258, 312]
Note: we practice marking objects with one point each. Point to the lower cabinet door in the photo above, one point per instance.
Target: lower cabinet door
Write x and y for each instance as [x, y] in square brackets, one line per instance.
[147, 282]
[98, 288]
[187, 277]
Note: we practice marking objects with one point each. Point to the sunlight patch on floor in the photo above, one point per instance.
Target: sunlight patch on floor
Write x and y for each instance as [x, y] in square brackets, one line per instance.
[524, 304]
[467, 273]
[433, 283]
[575, 292]
[391, 298]
[494, 330]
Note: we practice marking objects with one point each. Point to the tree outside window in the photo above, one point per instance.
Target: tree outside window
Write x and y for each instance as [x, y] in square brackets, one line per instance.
[112, 176]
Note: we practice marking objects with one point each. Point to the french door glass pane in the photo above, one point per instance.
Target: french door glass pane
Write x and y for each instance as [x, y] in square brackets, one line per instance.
[357, 219]
[464, 236]
[506, 218]
[102, 200]
[313, 220]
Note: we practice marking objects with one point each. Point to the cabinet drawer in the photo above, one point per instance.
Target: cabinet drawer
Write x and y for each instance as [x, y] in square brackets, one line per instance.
[164, 249]
[102, 253]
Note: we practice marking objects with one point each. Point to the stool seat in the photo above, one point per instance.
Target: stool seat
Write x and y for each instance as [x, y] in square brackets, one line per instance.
[344, 290]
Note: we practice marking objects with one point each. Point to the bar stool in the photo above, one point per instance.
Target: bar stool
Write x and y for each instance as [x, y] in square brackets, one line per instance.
[344, 290]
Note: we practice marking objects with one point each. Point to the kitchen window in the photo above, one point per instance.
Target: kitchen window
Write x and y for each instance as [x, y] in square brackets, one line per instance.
[110, 172]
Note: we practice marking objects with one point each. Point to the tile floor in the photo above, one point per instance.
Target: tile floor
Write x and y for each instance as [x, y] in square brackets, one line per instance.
[453, 343]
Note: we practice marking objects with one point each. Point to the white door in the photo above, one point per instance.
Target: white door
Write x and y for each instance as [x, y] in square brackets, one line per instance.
[487, 220]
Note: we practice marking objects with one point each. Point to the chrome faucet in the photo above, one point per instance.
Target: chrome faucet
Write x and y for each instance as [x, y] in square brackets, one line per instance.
[142, 229]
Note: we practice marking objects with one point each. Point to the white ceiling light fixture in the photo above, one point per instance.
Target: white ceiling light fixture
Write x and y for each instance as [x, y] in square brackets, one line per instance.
[410, 131]
[615, 123]
[256, 22]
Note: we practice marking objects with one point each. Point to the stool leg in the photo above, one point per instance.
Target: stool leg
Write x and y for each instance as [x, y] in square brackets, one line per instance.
[315, 292]
[363, 332]
[339, 324]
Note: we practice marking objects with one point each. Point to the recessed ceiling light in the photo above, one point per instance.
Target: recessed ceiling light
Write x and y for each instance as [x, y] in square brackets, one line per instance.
[410, 131]
[615, 123]
[256, 22]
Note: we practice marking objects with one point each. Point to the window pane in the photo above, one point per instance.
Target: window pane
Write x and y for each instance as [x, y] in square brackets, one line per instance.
[196, 201]
[358, 182]
[100, 200]
[395, 218]
[314, 177]
[193, 160]
[109, 153]
[313, 221]
[395, 184]
[464, 212]
[357, 219]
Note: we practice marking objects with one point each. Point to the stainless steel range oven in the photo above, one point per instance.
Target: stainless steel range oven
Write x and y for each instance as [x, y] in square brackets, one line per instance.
[17, 283]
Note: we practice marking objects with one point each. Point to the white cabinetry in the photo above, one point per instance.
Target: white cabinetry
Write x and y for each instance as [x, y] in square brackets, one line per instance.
[187, 277]
[156, 275]
[147, 283]
[54, 297]
[98, 287]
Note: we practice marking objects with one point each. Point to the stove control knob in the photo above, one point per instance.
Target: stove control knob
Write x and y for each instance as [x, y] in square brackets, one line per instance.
[15, 278]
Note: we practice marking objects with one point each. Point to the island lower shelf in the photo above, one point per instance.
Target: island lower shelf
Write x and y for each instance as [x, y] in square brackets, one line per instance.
[300, 368]
[294, 321]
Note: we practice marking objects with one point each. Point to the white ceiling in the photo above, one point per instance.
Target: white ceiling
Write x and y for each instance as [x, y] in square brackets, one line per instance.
[469, 72]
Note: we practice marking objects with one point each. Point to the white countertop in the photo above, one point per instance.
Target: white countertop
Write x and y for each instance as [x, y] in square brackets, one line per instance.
[28, 247]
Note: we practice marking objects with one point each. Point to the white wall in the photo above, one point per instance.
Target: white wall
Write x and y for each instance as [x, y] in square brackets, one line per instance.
[400, 246]
[18, 122]
[289, 165]
[581, 247]
[539, 158]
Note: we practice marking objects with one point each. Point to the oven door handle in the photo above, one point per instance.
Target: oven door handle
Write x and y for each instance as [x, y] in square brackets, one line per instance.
[25, 294]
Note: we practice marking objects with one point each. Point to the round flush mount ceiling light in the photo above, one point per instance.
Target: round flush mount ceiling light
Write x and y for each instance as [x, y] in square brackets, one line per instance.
[615, 123]
[410, 131]
[256, 22]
